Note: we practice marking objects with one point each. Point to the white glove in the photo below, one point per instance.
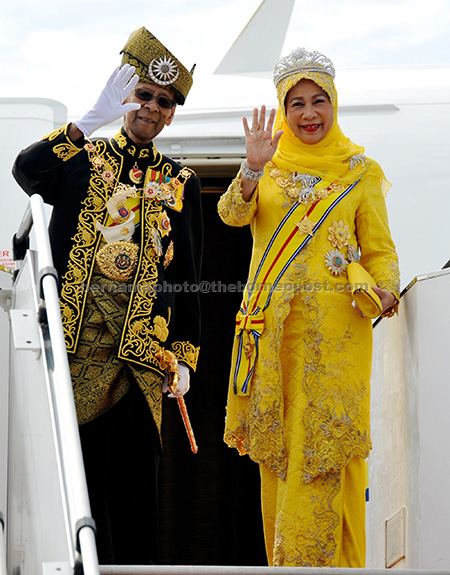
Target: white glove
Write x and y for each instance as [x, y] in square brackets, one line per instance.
[183, 382]
[110, 106]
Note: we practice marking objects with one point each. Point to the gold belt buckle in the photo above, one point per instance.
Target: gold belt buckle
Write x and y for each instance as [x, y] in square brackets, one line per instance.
[118, 260]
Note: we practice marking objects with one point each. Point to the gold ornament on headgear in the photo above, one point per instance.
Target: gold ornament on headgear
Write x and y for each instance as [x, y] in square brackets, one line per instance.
[301, 64]
[156, 65]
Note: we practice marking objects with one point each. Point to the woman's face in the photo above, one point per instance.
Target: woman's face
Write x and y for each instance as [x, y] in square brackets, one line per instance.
[309, 112]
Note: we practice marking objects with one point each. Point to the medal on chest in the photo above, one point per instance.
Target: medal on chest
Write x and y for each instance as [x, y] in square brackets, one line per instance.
[169, 191]
[136, 174]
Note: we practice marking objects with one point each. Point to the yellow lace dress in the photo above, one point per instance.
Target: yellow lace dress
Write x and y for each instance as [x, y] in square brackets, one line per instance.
[308, 413]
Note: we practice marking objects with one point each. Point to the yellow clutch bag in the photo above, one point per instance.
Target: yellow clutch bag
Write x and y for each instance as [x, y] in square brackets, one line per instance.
[361, 283]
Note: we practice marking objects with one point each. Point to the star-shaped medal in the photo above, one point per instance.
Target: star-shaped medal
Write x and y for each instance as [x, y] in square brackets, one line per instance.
[306, 226]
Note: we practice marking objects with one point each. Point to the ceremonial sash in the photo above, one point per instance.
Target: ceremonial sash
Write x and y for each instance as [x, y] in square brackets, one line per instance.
[285, 245]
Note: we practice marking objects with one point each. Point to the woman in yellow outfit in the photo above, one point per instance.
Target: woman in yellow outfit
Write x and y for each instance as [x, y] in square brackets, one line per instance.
[299, 394]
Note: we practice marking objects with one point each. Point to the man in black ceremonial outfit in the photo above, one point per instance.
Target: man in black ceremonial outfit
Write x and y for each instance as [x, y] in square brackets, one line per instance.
[126, 235]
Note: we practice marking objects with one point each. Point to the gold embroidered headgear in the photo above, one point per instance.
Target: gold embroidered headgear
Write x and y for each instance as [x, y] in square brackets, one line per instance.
[156, 65]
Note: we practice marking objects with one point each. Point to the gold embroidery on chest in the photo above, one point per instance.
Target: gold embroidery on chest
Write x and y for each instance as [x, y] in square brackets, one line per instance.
[137, 344]
[85, 241]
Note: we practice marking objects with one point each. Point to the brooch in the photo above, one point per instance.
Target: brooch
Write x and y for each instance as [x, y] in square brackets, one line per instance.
[335, 262]
[339, 234]
[301, 187]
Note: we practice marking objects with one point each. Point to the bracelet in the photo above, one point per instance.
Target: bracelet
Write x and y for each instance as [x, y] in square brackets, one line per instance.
[251, 174]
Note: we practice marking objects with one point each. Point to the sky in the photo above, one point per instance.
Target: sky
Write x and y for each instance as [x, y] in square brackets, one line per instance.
[66, 49]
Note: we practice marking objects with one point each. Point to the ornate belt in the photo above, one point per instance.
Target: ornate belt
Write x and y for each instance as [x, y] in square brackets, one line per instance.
[118, 260]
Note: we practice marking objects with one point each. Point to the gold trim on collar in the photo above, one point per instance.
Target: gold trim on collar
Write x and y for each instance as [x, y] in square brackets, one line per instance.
[125, 144]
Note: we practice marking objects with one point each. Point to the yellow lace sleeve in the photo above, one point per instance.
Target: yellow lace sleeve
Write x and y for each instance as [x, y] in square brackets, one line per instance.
[233, 209]
[378, 254]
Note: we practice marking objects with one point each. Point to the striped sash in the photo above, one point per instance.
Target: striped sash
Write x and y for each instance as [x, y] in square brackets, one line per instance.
[285, 245]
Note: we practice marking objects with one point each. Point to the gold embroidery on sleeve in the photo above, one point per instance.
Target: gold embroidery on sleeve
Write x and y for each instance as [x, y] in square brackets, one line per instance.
[66, 151]
[53, 135]
[186, 352]
[160, 327]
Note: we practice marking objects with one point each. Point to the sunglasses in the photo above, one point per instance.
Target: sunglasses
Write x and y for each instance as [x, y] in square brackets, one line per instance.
[162, 101]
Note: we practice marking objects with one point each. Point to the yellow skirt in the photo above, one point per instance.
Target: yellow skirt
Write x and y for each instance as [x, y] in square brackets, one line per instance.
[320, 523]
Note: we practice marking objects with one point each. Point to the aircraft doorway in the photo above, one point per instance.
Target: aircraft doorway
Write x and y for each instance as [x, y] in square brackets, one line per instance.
[210, 502]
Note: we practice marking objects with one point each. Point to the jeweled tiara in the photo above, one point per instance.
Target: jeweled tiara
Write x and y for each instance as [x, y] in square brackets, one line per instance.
[300, 60]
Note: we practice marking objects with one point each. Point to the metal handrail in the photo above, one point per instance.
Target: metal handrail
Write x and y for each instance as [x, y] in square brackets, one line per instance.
[25, 225]
[68, 439]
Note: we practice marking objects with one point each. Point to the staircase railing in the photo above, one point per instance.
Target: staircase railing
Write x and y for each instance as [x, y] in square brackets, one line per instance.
[81, 551]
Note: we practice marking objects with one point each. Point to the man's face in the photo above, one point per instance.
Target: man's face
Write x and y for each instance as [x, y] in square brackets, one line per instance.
[146, 123]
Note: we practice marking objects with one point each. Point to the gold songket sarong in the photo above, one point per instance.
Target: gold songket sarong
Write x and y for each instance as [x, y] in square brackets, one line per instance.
[99, 378]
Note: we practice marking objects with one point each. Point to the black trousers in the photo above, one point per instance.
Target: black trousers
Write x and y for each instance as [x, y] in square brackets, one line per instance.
[121, 451]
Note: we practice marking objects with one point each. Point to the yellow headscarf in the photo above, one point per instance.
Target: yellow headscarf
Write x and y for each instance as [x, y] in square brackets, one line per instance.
[329, 159]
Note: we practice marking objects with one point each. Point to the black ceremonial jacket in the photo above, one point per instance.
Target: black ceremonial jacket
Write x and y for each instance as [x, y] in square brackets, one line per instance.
[77, 179]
